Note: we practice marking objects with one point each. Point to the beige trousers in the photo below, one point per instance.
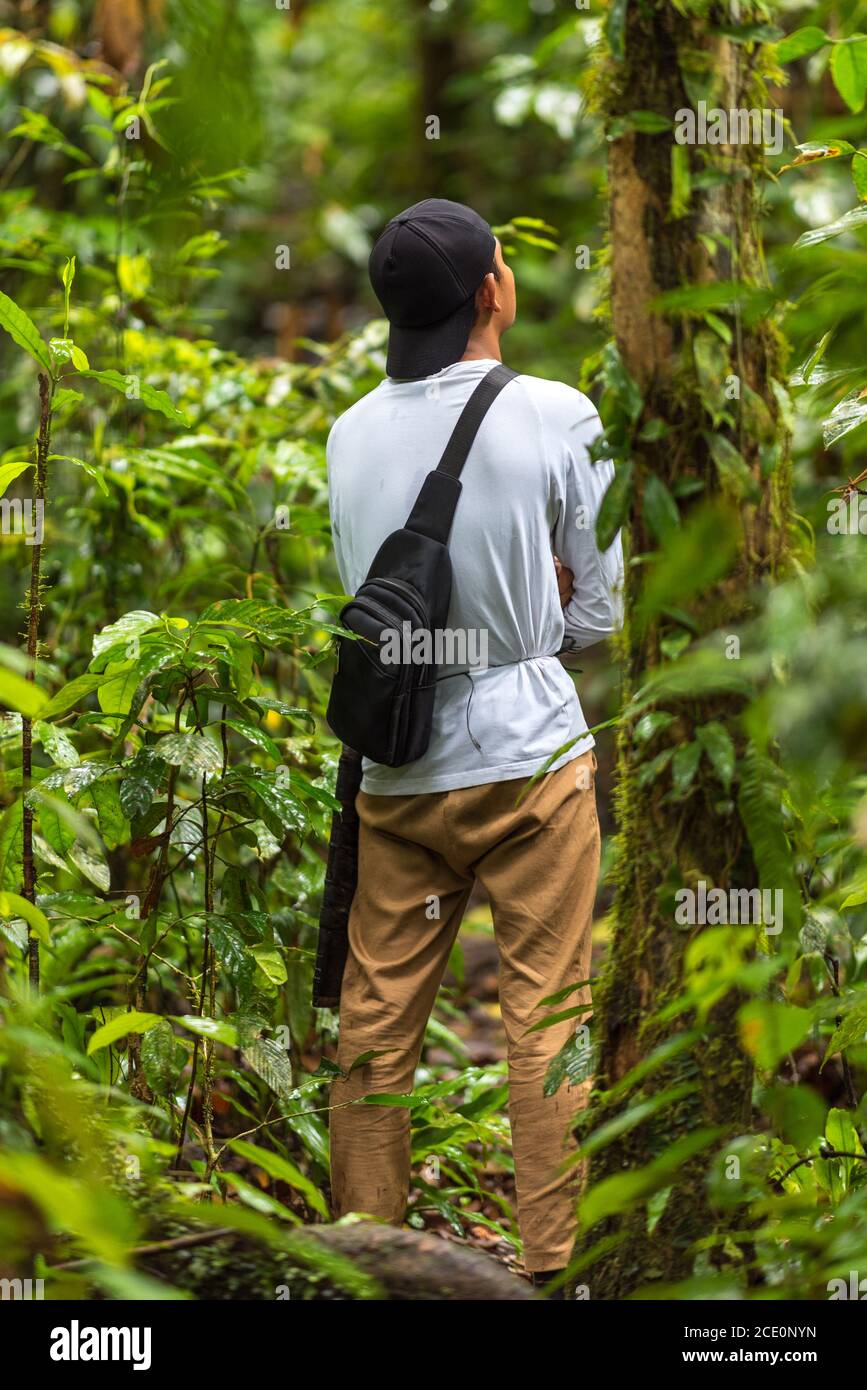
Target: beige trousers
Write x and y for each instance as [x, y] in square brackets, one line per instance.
[539, 863]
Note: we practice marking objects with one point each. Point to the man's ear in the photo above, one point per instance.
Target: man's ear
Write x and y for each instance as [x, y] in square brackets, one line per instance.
[486, 295]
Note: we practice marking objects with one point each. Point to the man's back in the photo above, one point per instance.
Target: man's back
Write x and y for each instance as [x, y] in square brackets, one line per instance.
[528, 492]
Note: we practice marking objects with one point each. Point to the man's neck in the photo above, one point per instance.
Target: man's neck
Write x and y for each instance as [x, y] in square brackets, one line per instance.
[484, 345]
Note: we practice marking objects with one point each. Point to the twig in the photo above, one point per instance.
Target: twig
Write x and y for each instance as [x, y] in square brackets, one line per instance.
[811, 1158]
[157, 1247]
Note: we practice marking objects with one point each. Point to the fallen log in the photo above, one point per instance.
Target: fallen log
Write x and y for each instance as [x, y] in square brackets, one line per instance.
[408, 1266]
[416, 1266]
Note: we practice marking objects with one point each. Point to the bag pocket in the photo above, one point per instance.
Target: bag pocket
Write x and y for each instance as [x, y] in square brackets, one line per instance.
[368, 708]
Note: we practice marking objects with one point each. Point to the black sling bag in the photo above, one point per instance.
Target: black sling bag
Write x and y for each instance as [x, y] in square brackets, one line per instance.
[380, 705]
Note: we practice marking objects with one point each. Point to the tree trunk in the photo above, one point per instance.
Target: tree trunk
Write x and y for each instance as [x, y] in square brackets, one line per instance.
[665, 235]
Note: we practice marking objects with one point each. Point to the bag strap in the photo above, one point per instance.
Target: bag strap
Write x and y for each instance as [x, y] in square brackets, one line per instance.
[462, 436]
[434, 509]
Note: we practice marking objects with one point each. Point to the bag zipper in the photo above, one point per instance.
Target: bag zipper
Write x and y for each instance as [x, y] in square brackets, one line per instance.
[400, 586]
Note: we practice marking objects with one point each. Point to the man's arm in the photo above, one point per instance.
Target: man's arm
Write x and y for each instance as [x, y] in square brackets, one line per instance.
[333, 503]
[595, 609]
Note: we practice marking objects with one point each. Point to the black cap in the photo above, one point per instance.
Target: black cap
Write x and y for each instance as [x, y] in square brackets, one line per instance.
[425, 270]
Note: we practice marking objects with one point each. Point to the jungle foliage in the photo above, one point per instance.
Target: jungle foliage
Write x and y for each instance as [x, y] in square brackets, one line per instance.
[186, 215]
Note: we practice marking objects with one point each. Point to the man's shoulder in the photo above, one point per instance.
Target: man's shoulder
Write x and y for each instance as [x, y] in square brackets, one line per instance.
[356, 414]
[560, 406]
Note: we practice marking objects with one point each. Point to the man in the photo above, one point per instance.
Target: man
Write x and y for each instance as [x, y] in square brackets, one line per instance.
[464, 811]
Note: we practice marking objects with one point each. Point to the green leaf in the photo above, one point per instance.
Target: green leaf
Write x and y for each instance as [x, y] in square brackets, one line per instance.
[65, 396]
[11, 905]
[136, 390]
[849, 70]
[218, 1030]
[629, 1118]
[89, 468]
[650, 724]
[72, 780]
[266, 702]
[650, 122]
[10, 471]
[256, 736]
[115, 694]
[134, 275]
[692, 559]
[735, 477]
[615, 505]
[699, 673]
[22, 695]
[57, 831]
[623, 1191]
[816, 355]
[23, 331]
[684, 766]
[717, 743]
[259, 1201]
[119, 1026]
[270, 961]
[749, 33]
[615, 29]
[659, 508]
[270, 1062]
[769, 1031]
[648, 772]
[760, 806]
[131, 625]
[574, 1063]
[191, 751]
[850, 1033]
[848, 414]
[841, 1134]
[36, 126]
[251, 615]
[72, 694]
[859, 176]
[800, 43]
[57, 744]
[91, 865]
[230, 947]
[284, 1171]
[67, 275]
[144, 775]
[812, 151]
[681, 182]
[162, 1058]
[280, 807]
[11, 843]
[856, 899]
[855, 217]
[798, 1113]
[113, 824]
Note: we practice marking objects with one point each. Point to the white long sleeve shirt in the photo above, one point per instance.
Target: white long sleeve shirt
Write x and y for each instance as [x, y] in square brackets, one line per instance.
[529, 492]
